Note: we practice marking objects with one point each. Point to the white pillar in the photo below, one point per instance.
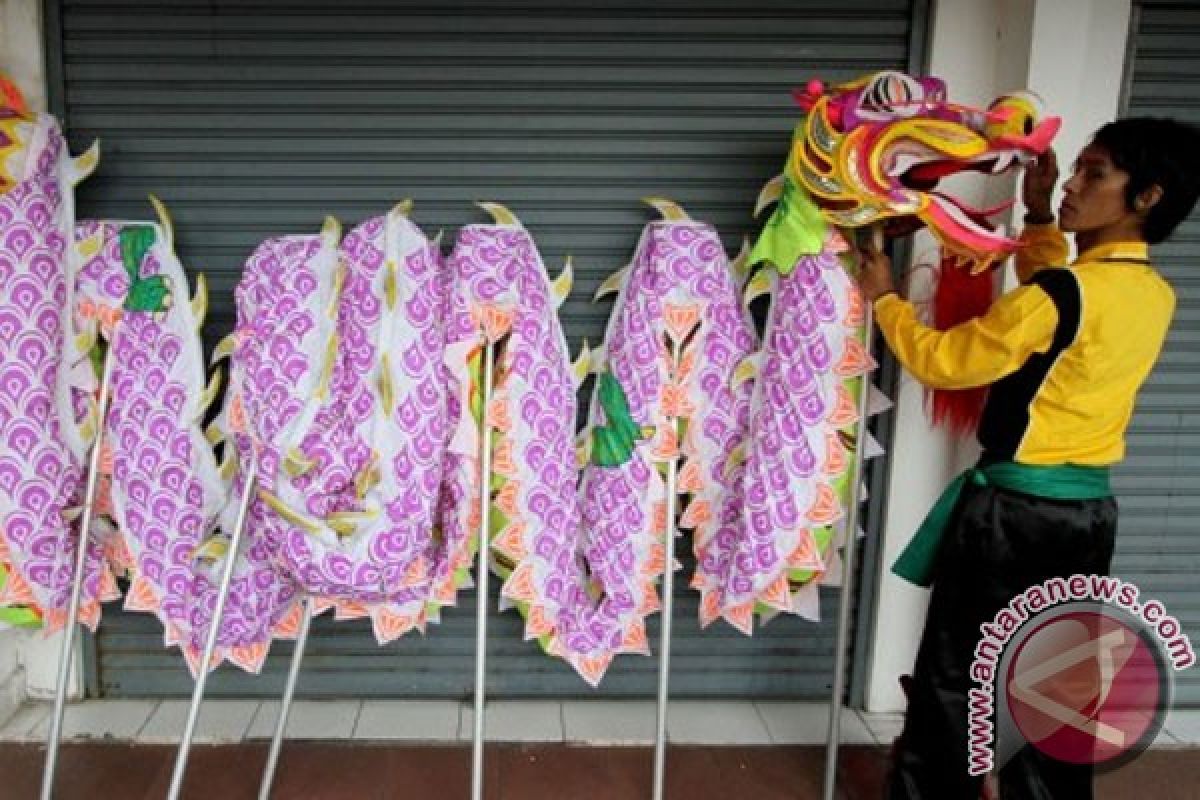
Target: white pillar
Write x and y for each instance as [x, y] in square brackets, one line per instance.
[1071, 53]
[22, 56]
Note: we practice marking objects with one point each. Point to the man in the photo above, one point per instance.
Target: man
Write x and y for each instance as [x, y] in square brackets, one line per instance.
[1063, 357]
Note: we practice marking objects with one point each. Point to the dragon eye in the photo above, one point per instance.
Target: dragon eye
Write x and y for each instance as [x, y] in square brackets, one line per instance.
[1014, 114]
[891, 94]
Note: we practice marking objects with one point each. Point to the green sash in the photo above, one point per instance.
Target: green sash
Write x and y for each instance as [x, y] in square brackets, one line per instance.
[1061, 482]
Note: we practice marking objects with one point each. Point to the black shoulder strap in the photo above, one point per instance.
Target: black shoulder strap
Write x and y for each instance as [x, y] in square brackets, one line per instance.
[1063, 287]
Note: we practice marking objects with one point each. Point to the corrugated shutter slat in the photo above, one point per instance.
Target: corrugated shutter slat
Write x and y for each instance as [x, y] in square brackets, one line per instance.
[251, 119]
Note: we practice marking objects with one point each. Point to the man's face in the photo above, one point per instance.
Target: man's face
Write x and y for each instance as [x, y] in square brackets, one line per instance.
[1094, 196]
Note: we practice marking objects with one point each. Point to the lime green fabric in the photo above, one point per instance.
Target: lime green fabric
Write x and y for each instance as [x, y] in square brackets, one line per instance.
[795, 229]
[18, 616]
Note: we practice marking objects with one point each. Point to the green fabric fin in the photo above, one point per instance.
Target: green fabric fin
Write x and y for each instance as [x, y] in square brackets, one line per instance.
[795, 229]
[145, 294]
[612, 444]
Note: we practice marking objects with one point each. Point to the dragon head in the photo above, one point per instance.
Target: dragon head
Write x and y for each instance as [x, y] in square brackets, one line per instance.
[876, 148]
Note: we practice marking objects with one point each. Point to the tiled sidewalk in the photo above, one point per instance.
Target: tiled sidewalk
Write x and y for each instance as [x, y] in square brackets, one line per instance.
[605, 723]
[123, 749]
[601, 723]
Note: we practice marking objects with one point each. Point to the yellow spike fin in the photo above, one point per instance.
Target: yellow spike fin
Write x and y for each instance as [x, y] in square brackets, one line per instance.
[229, 462]
[611, 284]
[210, 392]
[561, 286]
[746, 370]
[740, 264]
[327, 369]
[87, 428]
[404, 207]
[389, 284]
[331, 229]
[214, 433]
[212, 550]
[283, 510]
[85, 341]
[335, 297]
[345, 523]
[736, 458]
[89, 247]
[670, 210]
[164, 221]
[200, 300]
[500, 214]
[85, 163]
[295, 463]
[386, 393]
[762, 283]
[583, 452]
[224, 348]
[582, 365]
[368, 477]
[770, 193]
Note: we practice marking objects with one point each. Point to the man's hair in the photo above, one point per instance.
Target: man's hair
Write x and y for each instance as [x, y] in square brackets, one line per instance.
[1156, 150]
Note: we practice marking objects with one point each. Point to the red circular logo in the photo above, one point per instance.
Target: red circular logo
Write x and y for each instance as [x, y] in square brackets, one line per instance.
[1086, 687]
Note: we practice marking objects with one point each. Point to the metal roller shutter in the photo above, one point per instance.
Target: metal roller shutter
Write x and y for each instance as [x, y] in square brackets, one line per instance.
[251, 119]
[1158, 485]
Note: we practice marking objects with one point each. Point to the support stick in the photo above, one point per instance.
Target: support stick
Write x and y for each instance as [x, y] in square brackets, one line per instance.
[481, 599]
[289, 691]
[210, 644]
[668, 606]
[847, 593]
[67, 650]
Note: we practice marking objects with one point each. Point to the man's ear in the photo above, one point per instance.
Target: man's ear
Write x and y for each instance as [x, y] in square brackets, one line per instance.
[1147, 198]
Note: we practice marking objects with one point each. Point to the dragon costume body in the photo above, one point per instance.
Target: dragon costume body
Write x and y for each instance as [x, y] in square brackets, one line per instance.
[339, 406]
[866, 152]
[163, 490]
[581, 549]
[356, 398]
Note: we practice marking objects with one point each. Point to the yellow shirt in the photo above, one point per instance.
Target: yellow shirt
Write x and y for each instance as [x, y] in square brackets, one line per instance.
[1064, 354]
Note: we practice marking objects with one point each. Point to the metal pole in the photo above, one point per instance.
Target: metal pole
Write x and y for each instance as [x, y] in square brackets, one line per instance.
[210, 644]
[67, 650]
[481, 598]
[847, 593]
[289, 691]
[668, 605]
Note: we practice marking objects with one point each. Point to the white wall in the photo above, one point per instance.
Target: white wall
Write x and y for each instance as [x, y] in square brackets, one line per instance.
[1071, 52]
[21, 56]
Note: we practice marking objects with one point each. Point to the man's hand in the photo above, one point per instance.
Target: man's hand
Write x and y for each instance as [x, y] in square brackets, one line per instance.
[1037, 188]
[875, 276]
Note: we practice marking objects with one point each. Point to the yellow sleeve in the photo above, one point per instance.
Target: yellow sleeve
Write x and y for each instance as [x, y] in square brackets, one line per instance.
[975, 353]
[1041, 246]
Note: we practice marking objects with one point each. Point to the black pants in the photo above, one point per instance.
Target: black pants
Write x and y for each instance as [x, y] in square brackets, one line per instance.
[999, 543]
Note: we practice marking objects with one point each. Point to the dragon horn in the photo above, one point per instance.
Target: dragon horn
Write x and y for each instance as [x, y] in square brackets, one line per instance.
[500, 214]
[670, 210]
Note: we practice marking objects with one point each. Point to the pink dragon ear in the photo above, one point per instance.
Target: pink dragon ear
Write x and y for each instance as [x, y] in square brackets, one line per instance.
[807, 97]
